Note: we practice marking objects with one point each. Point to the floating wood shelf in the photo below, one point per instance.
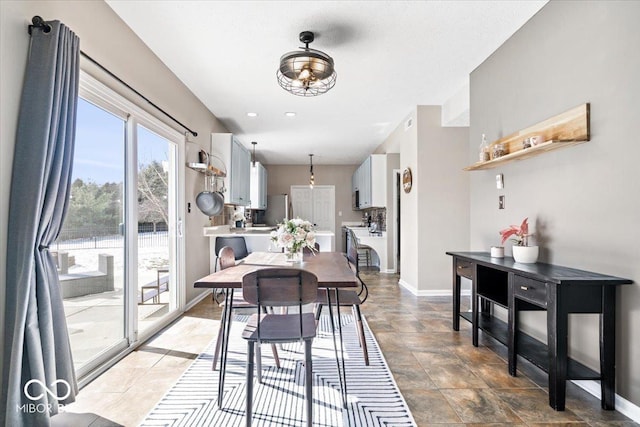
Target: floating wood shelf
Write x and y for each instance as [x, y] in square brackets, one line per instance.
[206, 169]
[563, 130]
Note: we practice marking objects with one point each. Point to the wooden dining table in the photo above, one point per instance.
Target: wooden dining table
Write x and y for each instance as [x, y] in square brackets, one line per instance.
[333, 272]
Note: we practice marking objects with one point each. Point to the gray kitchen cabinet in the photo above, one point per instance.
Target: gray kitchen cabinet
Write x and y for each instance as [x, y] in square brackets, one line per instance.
[369, 180]
[237, 159]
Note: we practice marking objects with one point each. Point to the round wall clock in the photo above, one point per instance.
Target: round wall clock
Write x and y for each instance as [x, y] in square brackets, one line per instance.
[406, 180]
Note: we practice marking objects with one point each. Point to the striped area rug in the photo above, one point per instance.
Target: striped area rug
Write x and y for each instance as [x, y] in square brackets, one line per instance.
[373, 396]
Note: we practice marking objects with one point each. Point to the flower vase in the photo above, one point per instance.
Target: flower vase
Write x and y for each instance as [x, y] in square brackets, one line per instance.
[293, 255]
[525, 254]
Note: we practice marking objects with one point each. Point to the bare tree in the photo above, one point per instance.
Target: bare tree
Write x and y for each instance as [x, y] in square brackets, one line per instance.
[153, 203]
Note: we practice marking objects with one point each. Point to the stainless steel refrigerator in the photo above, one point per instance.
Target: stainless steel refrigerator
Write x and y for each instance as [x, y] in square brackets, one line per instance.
[277, 209]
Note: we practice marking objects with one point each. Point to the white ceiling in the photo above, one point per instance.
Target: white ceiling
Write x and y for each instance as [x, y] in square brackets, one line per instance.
[389, 56]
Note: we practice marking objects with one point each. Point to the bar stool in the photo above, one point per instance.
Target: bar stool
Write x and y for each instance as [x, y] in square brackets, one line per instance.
[363, 250]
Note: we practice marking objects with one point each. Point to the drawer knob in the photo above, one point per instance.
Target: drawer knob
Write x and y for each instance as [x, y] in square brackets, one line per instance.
[524, 288]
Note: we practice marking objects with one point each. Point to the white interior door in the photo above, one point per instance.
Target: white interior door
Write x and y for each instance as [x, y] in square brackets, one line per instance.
[317, 204]
[324, 207]
[301, 202]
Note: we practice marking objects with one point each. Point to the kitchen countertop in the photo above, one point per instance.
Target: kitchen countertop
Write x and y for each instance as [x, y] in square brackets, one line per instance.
[362, 231]
[225, 230]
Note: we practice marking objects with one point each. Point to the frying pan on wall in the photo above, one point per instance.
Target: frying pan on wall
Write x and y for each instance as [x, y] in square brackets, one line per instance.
[210, 203]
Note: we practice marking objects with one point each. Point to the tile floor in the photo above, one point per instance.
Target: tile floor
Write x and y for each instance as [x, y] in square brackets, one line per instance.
[445, 380]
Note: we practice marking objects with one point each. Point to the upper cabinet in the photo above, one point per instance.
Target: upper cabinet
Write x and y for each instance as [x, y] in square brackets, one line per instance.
[238, 161]
[369, 182]
[258, 186]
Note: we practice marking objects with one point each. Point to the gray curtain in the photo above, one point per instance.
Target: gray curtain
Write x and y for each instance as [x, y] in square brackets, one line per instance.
[36, 342]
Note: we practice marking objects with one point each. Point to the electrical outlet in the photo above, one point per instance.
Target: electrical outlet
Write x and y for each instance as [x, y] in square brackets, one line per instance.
[500, 202]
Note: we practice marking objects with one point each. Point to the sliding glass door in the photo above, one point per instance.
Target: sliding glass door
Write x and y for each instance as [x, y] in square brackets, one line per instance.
[90, 248]
[119, 251]
[156, 242]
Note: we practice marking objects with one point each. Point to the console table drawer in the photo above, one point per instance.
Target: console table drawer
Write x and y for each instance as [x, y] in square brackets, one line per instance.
[463, 268]
[530, 290]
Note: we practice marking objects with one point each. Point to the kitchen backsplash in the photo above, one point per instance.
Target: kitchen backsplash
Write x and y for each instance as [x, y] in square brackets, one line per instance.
[225, 218]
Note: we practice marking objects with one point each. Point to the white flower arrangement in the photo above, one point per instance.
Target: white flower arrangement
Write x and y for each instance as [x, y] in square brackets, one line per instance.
[294, 234]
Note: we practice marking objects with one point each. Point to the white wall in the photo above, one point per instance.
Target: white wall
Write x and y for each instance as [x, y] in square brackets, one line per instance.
[393, 163]
[405, 141]
[582, 201]
[108, 40]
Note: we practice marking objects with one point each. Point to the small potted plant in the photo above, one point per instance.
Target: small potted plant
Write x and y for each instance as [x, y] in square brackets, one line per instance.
[522, 252]
[238, 217]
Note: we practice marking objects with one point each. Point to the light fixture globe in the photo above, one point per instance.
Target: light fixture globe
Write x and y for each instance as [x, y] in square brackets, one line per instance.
[308, 72]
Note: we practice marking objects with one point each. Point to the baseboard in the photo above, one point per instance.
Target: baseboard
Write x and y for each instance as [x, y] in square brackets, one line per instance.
[426, 292]
[407, 286]
[196, 300]
[623, 406]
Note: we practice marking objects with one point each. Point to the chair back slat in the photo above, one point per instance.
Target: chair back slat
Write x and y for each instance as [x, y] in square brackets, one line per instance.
[281, 287]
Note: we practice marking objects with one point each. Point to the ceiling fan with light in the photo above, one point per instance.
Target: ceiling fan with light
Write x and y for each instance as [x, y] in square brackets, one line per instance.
[306, 72]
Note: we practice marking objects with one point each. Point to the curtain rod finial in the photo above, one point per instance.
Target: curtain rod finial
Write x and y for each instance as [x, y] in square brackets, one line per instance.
[38, 22]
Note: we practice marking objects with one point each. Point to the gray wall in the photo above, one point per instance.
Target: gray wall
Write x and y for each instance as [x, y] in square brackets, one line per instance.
[434, 215]
[583, 202]
[106, 38]
[282, 177]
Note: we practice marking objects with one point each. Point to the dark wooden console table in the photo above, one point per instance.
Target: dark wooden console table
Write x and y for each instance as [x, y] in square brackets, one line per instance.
[559, 291]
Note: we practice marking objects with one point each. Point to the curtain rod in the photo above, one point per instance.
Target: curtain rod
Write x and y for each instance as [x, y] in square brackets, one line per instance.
[38, 22]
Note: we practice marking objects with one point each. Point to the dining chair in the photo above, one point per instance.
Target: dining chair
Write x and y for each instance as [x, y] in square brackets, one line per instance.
[285, 287]
[239, 246]
[348, 298]
[227, 259]
[362, 249]
[237, 243]
[307, 250]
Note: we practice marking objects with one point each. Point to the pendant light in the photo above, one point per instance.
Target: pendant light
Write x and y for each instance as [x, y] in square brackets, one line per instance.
[311, 177]
[253, 154]
[308, 72]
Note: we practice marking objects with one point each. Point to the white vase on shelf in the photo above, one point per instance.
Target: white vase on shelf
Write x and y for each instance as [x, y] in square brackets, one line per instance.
[525, 254]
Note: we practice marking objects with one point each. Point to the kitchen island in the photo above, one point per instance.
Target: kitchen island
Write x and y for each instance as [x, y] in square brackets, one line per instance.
[258, 239]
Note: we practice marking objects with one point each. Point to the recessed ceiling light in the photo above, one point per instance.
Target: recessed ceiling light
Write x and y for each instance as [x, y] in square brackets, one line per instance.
[252, 114]
[290, 114]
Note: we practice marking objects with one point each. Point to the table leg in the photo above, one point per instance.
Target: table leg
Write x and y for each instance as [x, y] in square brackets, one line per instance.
[474, 306]
[335, 346]
[228, 307]
[608, 348]
[557, 332]
[344, 372]
[512, 327]
[456, 298]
